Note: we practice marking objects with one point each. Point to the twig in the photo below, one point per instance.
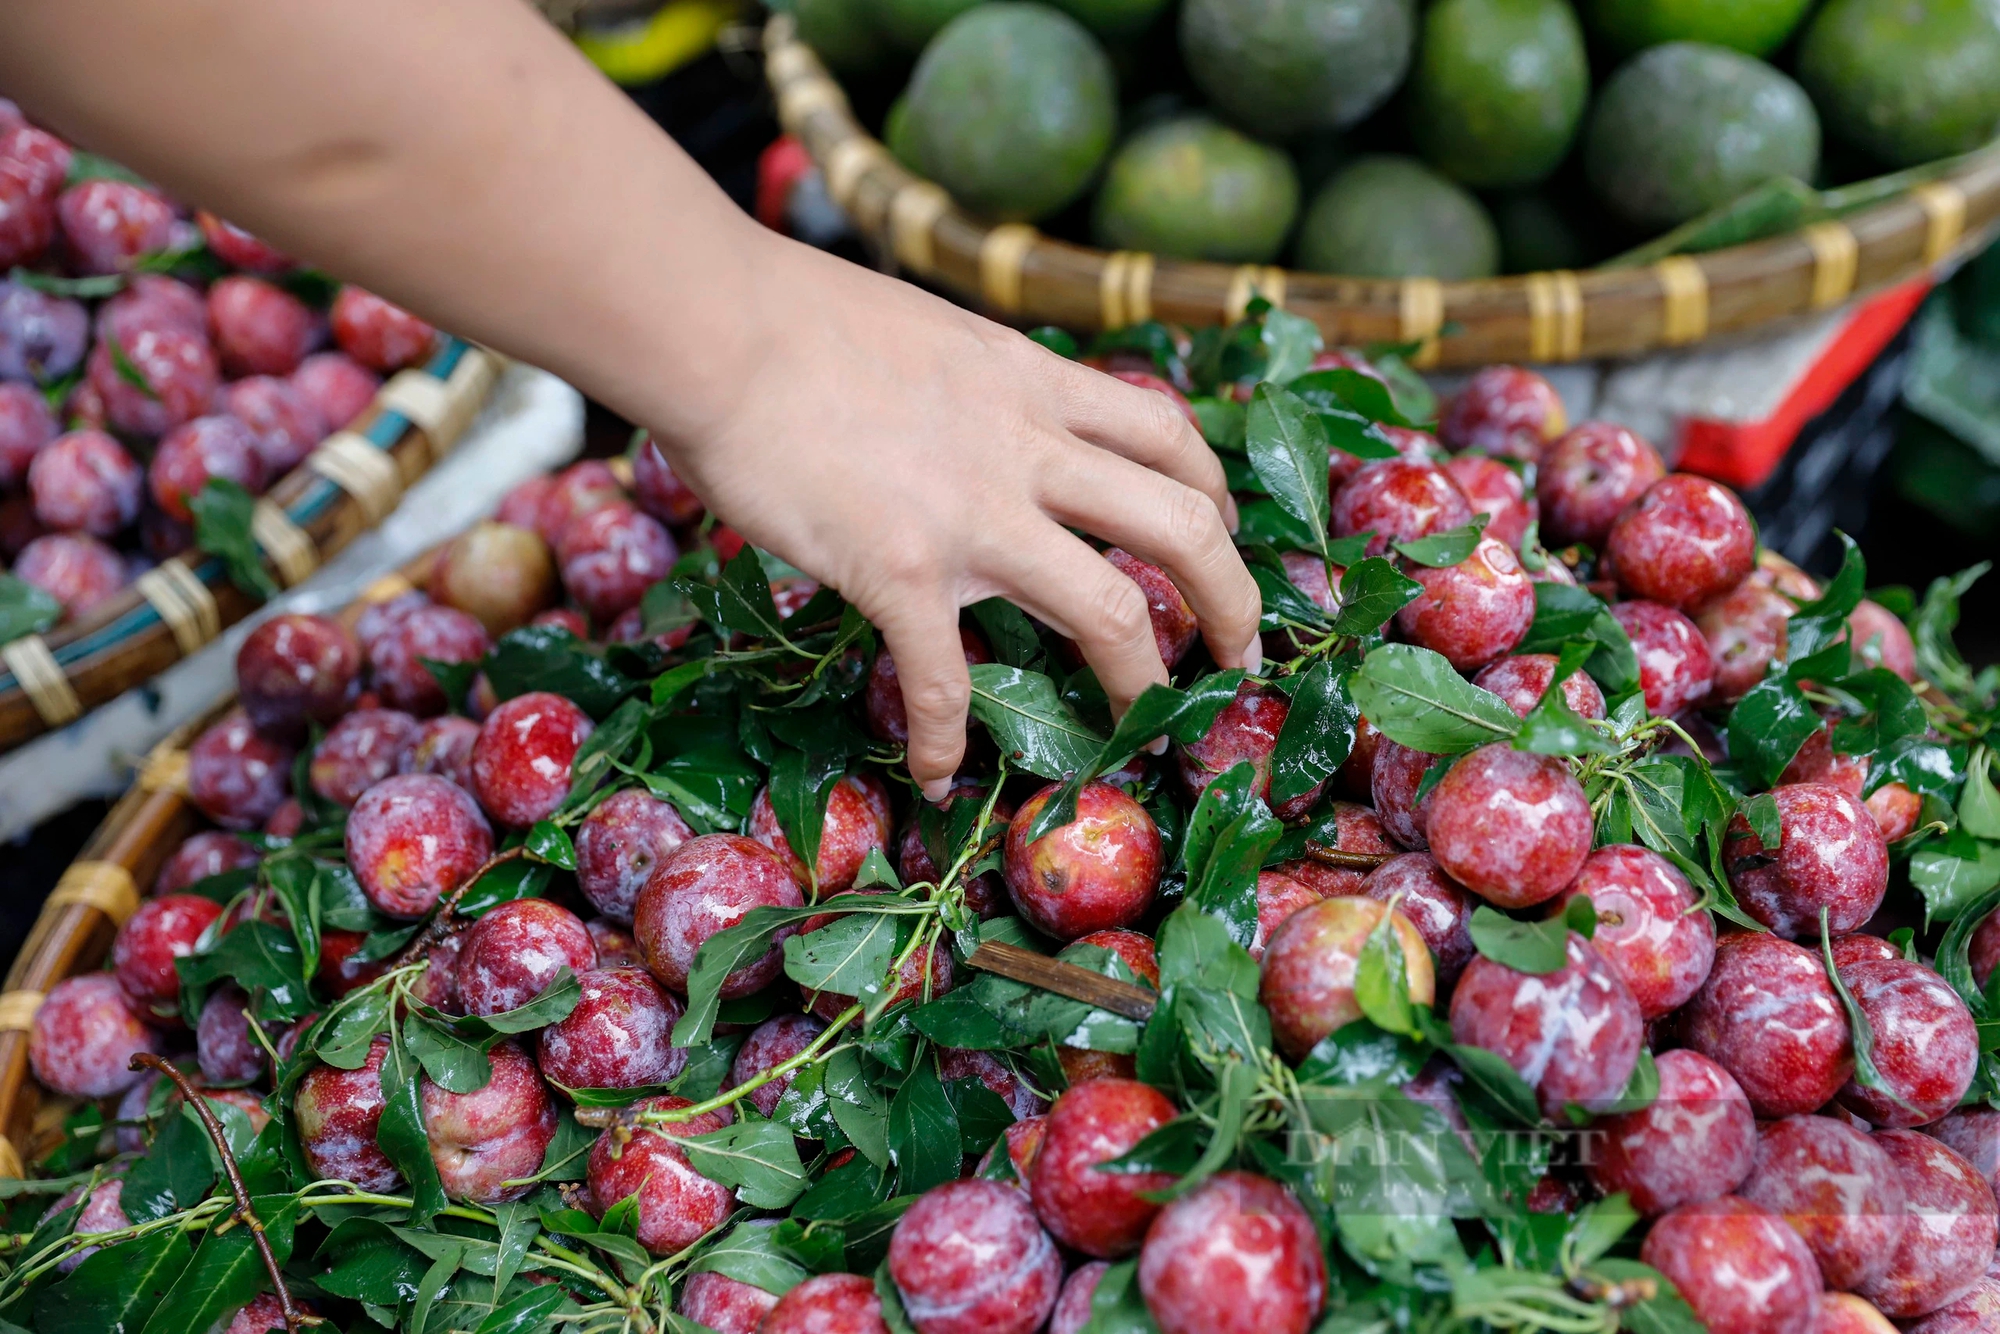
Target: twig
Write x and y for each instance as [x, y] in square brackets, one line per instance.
[294, 1318]
[1065, 979]
[1327, 855]
[442, 926]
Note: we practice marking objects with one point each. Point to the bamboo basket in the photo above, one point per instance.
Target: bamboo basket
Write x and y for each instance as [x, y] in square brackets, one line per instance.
[100, 890]
[352, 482]
[1020, 275]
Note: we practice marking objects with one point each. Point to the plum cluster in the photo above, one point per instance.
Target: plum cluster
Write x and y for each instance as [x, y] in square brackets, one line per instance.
[146, 351]
[1706, 1034]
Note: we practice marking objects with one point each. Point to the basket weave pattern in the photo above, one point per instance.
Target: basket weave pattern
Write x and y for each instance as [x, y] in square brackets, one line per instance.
[1021, 275]
[350, 484]
[99, 891]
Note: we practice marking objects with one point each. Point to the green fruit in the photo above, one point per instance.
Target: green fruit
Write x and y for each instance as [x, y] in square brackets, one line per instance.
[1012, 109]
[911, 24]
[1906, 80]
[896, 134]
[1195, 189]
[1755, 27]
[845, 35]
[1499, 89]
[1536, 235]
[1282, 67]
[1393, 217]
[1683, 128]
[1114, 18]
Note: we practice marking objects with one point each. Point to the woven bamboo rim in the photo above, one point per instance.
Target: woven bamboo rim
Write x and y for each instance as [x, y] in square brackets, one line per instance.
[99, 891]
[1022, 276]
[351, 482]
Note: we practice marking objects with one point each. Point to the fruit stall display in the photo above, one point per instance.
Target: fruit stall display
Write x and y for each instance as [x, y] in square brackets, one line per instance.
[1642, 168]
[1501, 957]
[189, 421]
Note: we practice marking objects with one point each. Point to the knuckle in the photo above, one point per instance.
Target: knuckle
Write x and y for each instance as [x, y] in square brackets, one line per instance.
[1193, 523]
[937, 697]
[1120, 609]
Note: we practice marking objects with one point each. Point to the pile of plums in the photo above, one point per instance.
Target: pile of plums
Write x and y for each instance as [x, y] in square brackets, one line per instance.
[120, 403]
[1780, 1193]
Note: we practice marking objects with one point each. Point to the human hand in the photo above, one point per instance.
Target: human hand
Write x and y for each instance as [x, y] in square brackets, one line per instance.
[919, 458]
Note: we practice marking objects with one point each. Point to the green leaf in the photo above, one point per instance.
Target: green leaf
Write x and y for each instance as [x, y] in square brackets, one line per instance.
[741, 599]
[1117, 1307]
[1819, 623]
[1027, 716]
[223, 512]
[175, 1175]
[363, 1260]
[759, 1159]
[1761, 813]
[1221, 422]
[1565, 614]
[1861, 1033]
[1499, 1080]
[1263, 520]
[1953, 872]
[1642, 1090]
[453, 1064]
[25, 609]
[800, 786]
[1382, 981]
[749, 1254]
[1523, 947]
[118, 1288]
[1362, 1054]
[1448, 548]
[848, 956]
[859, 1108]
[527, 1312]
[1978, 803]
[92, 288]
[548, 657]
[1290, 343]
[400, 1133]
[1288, 448]
[923, 1132]
[1767, 727]
[1318, 733]
[1938, 659]
[1414, 697]
[1228, 834]
[1009, 632]
[549, 843]
[1552, 727]
[227, 1271]
[259, 957]
[121, 362]
[722, 954]
[1371, 592]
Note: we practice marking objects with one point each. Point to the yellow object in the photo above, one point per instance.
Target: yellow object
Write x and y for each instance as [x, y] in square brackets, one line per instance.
[636, 53]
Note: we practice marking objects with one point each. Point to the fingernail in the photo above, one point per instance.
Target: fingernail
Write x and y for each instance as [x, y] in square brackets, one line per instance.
[1230, 517]
[1157, 746]
[936, 790]
[1253, 658]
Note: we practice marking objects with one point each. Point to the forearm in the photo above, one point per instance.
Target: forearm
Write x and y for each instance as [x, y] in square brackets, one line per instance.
[455, 155]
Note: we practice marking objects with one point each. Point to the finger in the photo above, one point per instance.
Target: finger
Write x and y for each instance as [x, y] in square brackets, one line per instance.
[1060, 579]
[1147, 427]
[930, 667]
[1176, 528]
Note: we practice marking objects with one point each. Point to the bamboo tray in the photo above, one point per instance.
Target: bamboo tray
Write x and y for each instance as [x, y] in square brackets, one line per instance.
[102, 887]
[1025, 277]
[352, 481]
